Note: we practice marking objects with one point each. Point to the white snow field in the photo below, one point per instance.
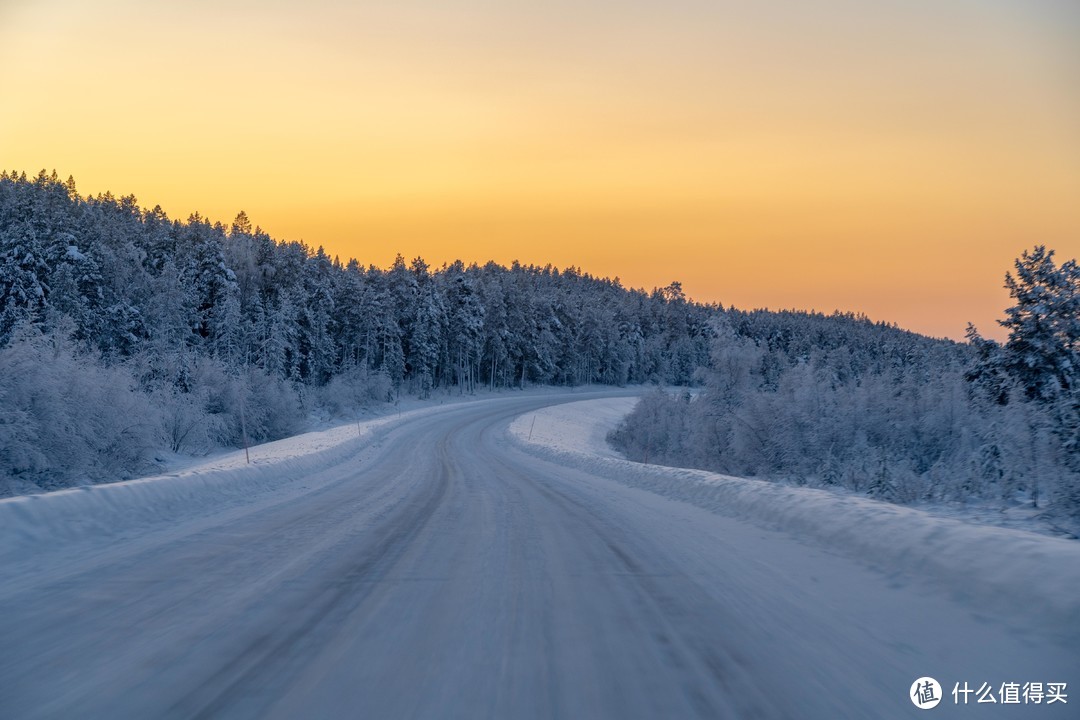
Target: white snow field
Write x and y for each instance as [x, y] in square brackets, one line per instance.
[1011, 570]
[495, 559]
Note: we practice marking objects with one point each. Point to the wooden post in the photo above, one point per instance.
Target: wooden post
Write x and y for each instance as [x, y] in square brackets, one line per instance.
[243, 429]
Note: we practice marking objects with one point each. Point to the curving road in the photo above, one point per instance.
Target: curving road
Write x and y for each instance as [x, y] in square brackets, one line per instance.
[446, 573]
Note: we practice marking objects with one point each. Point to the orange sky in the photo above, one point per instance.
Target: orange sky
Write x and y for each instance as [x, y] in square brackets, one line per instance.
[891, 160]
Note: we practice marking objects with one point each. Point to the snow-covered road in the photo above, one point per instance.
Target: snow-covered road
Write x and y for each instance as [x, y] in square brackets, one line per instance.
[444, 571]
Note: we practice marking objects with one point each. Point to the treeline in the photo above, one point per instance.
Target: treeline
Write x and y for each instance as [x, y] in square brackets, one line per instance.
[903, 419]
[124, 333]
[213, 332]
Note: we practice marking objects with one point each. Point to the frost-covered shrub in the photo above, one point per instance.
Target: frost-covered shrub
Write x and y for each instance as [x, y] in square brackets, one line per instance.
[248, 401]
[271, 406]
[903, 433]
[66, 418]
[355, 388]
[186, 426]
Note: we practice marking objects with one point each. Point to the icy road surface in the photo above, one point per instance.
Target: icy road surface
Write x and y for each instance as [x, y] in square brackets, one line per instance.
[445, 571]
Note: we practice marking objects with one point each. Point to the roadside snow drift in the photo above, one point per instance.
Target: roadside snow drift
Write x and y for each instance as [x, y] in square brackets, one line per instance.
[64, 516]
[32, 524]
[1009, 570]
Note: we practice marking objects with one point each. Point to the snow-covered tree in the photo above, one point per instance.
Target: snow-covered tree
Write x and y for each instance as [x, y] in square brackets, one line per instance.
[1043, 348]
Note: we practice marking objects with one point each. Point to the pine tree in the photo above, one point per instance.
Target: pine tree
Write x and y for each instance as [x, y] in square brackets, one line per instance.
[1043, 349]
[23, 278]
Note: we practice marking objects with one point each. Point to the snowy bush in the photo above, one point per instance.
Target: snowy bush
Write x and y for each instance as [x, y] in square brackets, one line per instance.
[66, 419]
[901, 433]
[223, 405]
[186, 427]
[355, 388]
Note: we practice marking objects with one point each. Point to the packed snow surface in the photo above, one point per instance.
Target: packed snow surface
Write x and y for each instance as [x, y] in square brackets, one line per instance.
[1012, 570]
[496, 559]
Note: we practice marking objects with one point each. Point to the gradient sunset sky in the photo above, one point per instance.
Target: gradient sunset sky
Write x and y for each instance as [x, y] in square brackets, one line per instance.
[889, 157]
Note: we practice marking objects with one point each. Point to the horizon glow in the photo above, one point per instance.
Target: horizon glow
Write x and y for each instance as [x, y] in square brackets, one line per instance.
[891, 160]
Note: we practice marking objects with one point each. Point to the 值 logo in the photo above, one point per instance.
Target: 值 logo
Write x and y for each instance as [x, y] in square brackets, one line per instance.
[925, 693]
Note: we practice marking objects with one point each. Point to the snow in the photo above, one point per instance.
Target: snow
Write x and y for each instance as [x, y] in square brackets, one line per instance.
[66, 516]
[39, 522]
[434, 565]
[578, 428]
[1011, 570]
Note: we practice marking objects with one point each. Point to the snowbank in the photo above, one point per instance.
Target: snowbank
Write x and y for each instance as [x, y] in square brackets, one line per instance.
[56, 518]
[1008, 570]
[31, 524]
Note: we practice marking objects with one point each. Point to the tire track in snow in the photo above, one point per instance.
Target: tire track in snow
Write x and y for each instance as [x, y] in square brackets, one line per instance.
[270, 655]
